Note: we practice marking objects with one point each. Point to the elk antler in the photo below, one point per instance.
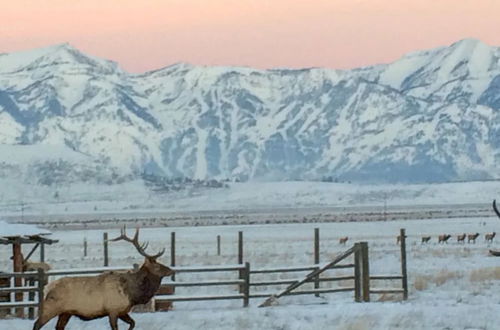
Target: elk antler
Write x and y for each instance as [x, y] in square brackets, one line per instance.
[135, 241]
[495, 208]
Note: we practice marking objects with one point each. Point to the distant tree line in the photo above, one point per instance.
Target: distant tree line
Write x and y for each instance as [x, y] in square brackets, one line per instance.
[164, 184]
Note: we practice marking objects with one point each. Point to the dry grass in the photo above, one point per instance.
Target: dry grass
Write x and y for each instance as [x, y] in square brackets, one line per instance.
[422, 282]
[390, 297]
[361, 324]
[485, 274]
[444, 276]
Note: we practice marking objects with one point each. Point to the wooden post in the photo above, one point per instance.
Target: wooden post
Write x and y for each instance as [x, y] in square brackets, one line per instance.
[404, 273]
[105, 244]
[316, 257]
[357, 272]
[240, 256]
[42, 252]
[85, 247]
[172, 252]
[218, 245]
[18, 281]
[41, 284]
[246, 285]
[240, 247]
[32, 251]
[31, 297]
[366, 272]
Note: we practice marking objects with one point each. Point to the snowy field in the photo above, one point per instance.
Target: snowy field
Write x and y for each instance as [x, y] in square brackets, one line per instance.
[452, 286]
[130, 197]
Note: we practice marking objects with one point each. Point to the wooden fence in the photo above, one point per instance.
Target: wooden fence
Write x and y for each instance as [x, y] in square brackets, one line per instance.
[244, 279]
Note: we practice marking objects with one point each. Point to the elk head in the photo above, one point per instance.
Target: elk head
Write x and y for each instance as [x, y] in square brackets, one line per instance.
[151, 265]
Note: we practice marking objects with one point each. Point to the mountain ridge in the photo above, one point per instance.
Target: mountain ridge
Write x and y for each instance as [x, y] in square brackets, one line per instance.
[430, 116]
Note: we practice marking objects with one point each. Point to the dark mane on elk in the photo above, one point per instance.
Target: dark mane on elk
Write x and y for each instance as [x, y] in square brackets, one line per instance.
[489, 237]
[110, 294]
[425, 239]
[443, 238]
[472, 237]
[461, 238]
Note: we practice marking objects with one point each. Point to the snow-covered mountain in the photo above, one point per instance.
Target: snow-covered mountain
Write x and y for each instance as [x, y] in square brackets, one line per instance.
[431, 116]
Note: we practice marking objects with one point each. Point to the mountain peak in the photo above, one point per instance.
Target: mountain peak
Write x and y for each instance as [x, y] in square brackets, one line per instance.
[469, 42]
[54, 55]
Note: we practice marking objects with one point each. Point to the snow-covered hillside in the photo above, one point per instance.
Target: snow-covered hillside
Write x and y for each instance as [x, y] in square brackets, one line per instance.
[431, 116]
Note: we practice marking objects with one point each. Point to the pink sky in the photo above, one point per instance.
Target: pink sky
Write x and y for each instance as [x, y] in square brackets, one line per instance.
[143, 35]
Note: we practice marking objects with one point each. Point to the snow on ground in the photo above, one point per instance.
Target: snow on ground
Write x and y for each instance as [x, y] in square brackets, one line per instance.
[19, 200]
[342, 316]
[17, 229]
[452, 286]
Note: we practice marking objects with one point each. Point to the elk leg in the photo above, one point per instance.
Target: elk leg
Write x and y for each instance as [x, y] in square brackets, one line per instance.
[127, 319]
[42, 320]
[113, 322]
[62, 321]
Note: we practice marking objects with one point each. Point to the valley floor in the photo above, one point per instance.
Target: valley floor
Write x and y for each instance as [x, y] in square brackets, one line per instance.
[452, 286]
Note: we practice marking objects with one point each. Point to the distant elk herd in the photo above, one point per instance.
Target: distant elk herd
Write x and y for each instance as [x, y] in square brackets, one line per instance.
[444, 238]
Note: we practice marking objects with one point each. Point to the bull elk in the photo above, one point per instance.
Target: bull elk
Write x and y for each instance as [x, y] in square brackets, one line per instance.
[489, 237]
[495, 208]
[472, 237]
[461, 238]
[443, 238]
[110, 294]
[343, 240]
[425, 239]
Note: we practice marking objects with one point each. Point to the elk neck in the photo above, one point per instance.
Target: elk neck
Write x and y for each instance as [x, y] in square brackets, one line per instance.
[143, 285]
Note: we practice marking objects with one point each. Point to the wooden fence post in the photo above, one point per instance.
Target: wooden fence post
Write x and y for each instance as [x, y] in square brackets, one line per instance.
[240, 256]
[246, 285]
[366, 272]
[42, 252]
[240, 247]
[31, 297]
[218, 245]
[403, 264]
[357, 272]
[41, 285]
[172, 252]
[316, 257]
[85, 247]
[105, 245]
[18, 281]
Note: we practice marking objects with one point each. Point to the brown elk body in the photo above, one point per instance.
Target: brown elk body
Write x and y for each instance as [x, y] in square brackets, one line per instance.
[110, 294]
[472, 237]
[343, 240]
[443, 238]
[425, 239]
[29, 266]
[461, 238]
[489, 237]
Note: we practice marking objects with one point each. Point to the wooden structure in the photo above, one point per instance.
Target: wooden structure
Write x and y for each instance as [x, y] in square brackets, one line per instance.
[17, 235]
